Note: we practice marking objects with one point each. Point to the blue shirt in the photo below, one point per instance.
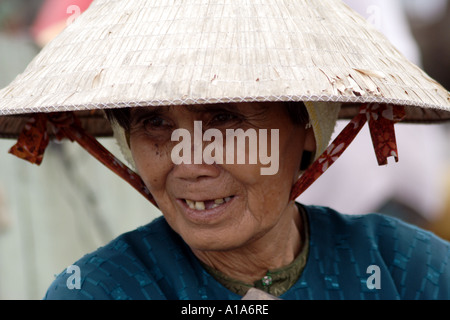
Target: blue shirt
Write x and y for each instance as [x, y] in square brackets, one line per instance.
[350, 257]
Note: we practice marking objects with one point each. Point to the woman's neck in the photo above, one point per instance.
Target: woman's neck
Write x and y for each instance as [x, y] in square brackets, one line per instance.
[275, 249]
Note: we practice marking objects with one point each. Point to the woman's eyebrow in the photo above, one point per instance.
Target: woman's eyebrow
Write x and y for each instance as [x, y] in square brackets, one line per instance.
[211, 108]
[257, 112]
[138, 113]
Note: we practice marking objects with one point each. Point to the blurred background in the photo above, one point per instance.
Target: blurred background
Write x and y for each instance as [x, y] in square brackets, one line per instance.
[53, 214]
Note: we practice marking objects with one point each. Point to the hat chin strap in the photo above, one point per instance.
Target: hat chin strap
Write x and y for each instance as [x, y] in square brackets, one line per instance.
[381, 120]
[34, 139]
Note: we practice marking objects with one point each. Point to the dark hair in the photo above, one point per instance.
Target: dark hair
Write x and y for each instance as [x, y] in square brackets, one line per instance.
[119, 115]
[296, 111]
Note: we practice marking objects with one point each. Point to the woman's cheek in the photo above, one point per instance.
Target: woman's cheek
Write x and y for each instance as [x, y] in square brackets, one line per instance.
[247, 174]
[152, 161]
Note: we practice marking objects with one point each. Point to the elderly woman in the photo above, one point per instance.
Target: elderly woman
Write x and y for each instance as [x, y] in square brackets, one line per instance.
[225, 111]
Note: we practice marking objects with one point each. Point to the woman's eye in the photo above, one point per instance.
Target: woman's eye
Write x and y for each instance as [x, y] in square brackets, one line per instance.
[155, 123]
[224, 118]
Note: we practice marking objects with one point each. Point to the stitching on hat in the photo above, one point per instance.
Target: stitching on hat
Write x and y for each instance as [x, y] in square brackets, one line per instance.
[188, 101]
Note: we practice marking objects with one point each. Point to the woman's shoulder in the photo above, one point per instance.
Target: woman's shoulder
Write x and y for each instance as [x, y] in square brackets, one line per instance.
[414, 261]
[128, 267]
[375, 227]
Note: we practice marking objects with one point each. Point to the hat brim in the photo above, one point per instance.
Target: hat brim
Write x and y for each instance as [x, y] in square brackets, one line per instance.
[95, 123]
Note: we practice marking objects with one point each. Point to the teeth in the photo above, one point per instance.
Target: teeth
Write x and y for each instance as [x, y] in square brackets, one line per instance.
[190, 203]
[200, 205]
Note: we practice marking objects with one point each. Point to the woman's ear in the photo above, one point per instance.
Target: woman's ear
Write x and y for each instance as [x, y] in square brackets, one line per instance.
[309, 149]
[310, 140]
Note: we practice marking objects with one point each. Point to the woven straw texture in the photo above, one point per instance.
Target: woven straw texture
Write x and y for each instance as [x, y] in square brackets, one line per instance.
[122, 53]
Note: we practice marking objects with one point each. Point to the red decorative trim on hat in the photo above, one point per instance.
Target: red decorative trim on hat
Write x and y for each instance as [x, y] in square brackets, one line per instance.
[381, 124]
[34, 139]
[381, 120]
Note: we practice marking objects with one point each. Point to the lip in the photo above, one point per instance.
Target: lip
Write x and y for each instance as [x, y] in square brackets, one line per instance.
[207, 216]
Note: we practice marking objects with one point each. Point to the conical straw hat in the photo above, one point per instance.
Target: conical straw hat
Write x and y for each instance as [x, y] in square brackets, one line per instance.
[122, 53]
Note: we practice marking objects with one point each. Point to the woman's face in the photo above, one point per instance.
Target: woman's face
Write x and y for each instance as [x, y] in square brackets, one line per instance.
[224, 205]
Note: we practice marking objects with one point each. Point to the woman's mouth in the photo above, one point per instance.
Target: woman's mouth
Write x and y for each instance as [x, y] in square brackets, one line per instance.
[207, 204]
[202, 211]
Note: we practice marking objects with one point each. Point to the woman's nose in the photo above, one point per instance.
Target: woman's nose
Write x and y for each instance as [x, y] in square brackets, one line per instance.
[194, 172]
[192, 165]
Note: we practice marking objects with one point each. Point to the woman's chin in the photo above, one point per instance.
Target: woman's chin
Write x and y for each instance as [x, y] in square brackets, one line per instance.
[214, 239]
